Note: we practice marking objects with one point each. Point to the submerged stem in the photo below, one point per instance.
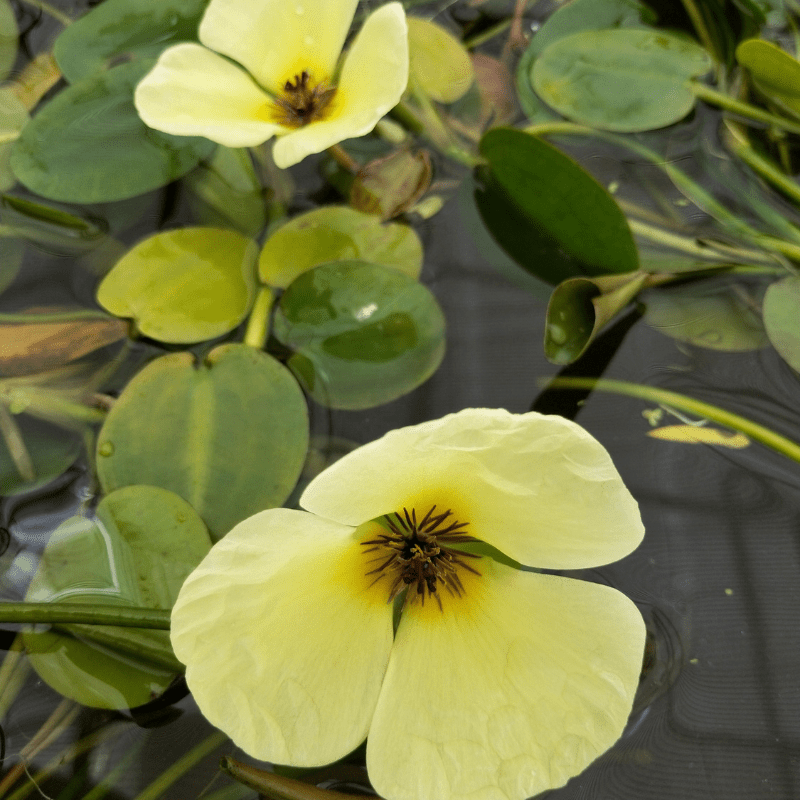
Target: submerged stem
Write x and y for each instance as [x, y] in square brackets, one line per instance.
[85, 613]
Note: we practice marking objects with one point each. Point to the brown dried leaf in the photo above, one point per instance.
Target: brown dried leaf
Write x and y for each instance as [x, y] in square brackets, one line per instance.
[35, 80]
[496, 87]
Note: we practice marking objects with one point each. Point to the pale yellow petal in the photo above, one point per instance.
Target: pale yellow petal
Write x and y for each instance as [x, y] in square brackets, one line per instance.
[193, 92]
[278, 39]
[539, 488]
[374, 76]
[521, 687]
[284, 643]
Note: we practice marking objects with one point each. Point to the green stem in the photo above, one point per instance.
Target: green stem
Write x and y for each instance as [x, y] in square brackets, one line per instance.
[8, 318]
[85, 613]
[258, 323]
[160, 785]
[713, 97]
[485, 36]
[55, 13]
[700, 26]
[759, 433]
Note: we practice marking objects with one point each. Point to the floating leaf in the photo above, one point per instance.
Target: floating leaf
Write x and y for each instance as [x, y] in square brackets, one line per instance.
[389, 186]
[781, 314]
[226, 192]
[13, 118]
[117, 30]
[438, 63]
[337, 233]
[548, 213]
[717, 316]
[700, 434]
[774, 72]
[577, 15]
[142, 546]
[229, 434]
[88, 145]
[30, 347]
[620, 80]
[362, 334]
[8, 38]
[184, 285]
[580, 307]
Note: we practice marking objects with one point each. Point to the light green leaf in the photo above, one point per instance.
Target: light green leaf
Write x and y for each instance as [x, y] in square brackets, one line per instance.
[185, 285]
[8, 38]
[781, 316]
[362, 334]
[773, 71]
[620, 80]
[13, 118]
[228, 434]
[438, 63]
[88, 145]
[337, 233]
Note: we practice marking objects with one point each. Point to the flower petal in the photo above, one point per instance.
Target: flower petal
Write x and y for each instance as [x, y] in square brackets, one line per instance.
[373, 79]
[539, 488]
[278, 39]
[285, 645]
[525, 685]
[194, 92]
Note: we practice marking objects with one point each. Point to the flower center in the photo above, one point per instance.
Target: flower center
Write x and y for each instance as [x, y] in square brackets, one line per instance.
[415, 554]
[302, 101]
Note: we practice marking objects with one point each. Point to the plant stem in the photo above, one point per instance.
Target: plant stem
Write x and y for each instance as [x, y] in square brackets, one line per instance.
[700, 26]
[85, 613]
[766, 436]
[258, 323]
[9, 318]
[55, 13]
[344, 159]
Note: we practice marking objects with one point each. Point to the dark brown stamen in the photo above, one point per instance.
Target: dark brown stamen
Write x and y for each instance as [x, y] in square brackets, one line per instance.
[303, 102]
[412, 554]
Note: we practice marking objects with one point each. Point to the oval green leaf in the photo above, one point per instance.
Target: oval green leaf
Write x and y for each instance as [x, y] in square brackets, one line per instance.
[362, 334]
[116, 30]
[774, 72]
[185, 285]
[548, 213]
[229, 435]
[13, 118]
[138, 552]
[337, 233]
[88, 145]
[781, 315]
[438, 63]
[8, 38]
[620, 80]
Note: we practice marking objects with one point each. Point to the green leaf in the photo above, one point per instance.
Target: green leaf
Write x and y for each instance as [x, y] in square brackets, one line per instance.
[715, 315]
[229, 434]
[88, 145]
[549, 214]
[8, 38]
[13, 118]
[185, 285]
[138, 552]
[438, 63]
[225, 192]
[578, 15]
[362, 334]
[337, 233]
[773, 71]
[781, 314]
[116, 30]
[620, 80]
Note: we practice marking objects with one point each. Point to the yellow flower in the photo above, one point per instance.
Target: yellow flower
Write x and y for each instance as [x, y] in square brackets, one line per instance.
[499, 682]
[291, 87]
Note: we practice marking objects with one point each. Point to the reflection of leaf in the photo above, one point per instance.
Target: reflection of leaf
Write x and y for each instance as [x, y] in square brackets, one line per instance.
[185, 285]
[700, 434]
[229, 434]
[362, 334]
[438, 62]
[620, 80]
[782, 319]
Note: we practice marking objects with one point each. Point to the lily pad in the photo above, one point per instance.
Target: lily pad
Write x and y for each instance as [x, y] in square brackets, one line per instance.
[716, 316]
[362, 334]
[337, 233]
[88, 145]
[774, 72]
[781, 314]
[620, 80]
[228, 434]
[116, 30]
[185, 285]
[547, 212]
[142, 546]
[438, 63]
[8, 38]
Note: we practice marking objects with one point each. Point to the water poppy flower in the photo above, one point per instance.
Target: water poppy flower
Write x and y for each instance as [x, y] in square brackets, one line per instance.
[498, 683]
[288, 85]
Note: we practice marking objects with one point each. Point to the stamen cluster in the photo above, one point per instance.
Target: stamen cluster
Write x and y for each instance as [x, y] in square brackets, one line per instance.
[303, 103]
[417, 555]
